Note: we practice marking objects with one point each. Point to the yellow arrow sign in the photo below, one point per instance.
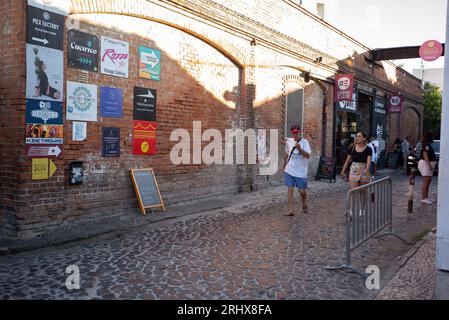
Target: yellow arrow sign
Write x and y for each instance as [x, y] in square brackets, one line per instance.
[41, 168]
[53, 168]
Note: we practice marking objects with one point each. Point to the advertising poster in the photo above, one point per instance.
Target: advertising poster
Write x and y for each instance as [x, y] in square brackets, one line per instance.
[144, 137]
[111, 102]
[45, 73]
[114, 57]
[343, 87]
[45, 28]
[149, 63]
[349, 106]
[110, 142]
[44, 134]
[144, 104]
[43, 112]
[79, 131]
[395, 103]
[83, 50]
[81, 101]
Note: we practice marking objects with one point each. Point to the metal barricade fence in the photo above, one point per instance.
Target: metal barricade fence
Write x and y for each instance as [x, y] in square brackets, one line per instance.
[368, 211]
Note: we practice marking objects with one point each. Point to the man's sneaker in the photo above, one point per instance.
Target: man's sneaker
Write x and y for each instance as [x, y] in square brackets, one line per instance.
[426, 201]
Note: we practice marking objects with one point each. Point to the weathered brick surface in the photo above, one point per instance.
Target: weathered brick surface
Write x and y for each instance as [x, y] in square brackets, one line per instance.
[226, 64]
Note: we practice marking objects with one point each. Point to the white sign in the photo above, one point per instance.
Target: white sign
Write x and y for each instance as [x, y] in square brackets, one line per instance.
[81, 101]
[45, 73]
[114, 57]
[79, 131]
[57, 6]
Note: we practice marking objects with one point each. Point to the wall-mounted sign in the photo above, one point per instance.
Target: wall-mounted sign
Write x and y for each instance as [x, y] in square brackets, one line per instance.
[83, 50]
[149, 63]
[379, 119]
[79, 131]
[43, 112]
[57, 6]
[144, 104]
[43, 169]
[111, 142]
[45, 73]
[395, 103]
[44, 134]
[349, 106]
[114, 57]
[144, 137]
[379, 106]
[45, 28]
[111, 102]
[343, 87]
[430, 50]
[81, 101]
[44, 151]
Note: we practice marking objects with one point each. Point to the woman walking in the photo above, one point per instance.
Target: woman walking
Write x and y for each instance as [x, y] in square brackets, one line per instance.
[426, 165]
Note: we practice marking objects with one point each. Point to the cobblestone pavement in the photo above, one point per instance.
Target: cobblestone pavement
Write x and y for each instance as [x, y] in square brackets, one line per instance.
[246, 251]
[416, 279]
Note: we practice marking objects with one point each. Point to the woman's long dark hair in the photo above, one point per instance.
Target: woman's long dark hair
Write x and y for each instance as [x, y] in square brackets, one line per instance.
[427, 138]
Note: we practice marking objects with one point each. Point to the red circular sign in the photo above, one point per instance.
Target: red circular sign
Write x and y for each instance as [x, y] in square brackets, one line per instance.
[430, 50]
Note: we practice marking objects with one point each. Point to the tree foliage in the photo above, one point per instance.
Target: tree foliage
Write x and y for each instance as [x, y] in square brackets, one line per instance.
[433, 101]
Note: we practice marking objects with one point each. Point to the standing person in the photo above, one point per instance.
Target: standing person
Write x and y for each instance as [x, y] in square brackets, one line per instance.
[373, 145]
[426, 165]
[405, 147]
[297, 153]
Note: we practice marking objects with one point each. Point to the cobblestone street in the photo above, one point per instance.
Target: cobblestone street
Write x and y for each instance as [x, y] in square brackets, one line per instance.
[248, 251]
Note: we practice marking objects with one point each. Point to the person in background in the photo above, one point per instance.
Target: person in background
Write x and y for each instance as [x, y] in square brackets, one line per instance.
[405, 148]
[426, 165]
[374, 146]
[397, 150]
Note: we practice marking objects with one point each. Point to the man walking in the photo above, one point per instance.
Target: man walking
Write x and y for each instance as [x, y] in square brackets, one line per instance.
[297, 153]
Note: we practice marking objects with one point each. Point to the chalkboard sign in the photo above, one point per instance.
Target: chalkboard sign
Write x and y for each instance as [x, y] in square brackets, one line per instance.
[146, 188]
[326, 169]
[393, 159]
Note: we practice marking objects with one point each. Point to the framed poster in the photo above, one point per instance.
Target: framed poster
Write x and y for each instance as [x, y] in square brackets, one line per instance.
[45, 73]
[114, 57]
[81, 101]
[149, 63]
[111, 102]
[83, 50]
[110, 142]
[144, 104]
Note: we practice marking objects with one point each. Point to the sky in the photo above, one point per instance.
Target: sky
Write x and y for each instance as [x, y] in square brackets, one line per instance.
[391, 23]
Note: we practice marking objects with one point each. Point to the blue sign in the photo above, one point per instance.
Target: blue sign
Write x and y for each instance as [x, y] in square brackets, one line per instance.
[111, 102]
[43, 112]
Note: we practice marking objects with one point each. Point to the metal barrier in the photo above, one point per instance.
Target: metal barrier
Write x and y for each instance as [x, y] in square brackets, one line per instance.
[368, 211]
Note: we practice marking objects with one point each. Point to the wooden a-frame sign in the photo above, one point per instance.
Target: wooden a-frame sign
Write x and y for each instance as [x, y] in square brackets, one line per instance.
[147, 190]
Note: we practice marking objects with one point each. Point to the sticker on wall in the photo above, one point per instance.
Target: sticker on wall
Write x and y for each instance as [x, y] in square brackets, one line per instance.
[45, 73]
[81, 101]
[83, 50]
[43, 112]
[57, 6]
[144, 104]
[79, 131]
[114, 57]
[149, 63]
[111, 142]
[44, 134]
[45, 28]
[144, 137]
[111, 102]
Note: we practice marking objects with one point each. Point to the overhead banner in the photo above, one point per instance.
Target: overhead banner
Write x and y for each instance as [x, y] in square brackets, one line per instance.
[45, 28]
[44, 134]
[144, 137]
[395, 103]
[343, 87]
[110, 142]
[111, 102]
[144, 104]
[114, 57]
[45, 73]
[43, 112]
[57, 6]
[83, 50]
[81, 101]
[149, 63]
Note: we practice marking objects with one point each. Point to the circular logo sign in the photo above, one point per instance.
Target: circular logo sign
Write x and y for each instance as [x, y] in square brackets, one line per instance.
[395, 101]
[344, 83]
[430, 50]
[145, 147]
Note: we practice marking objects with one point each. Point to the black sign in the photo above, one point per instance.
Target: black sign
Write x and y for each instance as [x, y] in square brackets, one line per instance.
[83, 50]
[326, 169]
[144, 104]
[147, 189]
[45, 28]
[111, 142]
[380, 119]
[349, 106]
